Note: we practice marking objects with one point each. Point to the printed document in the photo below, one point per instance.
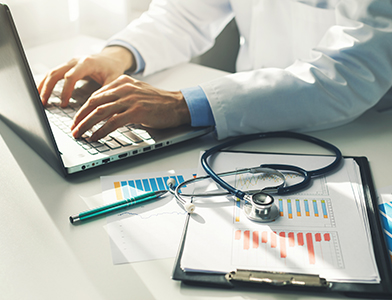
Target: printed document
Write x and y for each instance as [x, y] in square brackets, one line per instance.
[322, 229]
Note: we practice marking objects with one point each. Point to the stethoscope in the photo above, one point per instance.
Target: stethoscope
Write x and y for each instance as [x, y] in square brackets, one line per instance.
[259, 205]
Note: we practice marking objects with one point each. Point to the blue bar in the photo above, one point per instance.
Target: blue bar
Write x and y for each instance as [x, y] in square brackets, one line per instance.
[315, 208]
[298, 206]
[146, 185]
[307, 207]
[124, 188]
[387, 224]
[290, 212]
[139, 185]
[153, 185]
[132, 188]
[165, 179]
[161, 185]
[323, 205]
[386, 208]
[281, 207]
[181, 179]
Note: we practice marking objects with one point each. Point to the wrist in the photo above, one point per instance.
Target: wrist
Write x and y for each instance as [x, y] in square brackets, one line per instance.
[182, 109]
[122, 55]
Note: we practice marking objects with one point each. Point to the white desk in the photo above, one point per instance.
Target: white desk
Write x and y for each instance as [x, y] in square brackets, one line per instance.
[43, 256]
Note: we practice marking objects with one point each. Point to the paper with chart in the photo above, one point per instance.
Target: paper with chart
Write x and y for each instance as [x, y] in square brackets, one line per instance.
[321, 230]
[149, 231]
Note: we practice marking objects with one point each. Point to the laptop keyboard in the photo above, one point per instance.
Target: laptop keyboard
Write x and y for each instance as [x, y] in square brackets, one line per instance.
[62, 118]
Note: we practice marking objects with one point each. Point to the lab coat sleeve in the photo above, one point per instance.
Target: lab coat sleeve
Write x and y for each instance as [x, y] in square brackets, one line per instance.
[174, 31]
[350, 70]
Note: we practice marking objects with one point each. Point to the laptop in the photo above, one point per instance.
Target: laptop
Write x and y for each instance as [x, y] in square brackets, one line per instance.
[46, 129]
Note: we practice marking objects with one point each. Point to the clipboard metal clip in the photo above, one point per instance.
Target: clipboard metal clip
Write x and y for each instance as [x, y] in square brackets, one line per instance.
[277, 278]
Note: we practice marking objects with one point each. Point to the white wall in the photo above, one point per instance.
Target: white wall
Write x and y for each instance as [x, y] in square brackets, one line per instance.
[42, 21]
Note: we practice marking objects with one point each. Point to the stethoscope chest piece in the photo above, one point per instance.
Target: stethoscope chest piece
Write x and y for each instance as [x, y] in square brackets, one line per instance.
[260, 207]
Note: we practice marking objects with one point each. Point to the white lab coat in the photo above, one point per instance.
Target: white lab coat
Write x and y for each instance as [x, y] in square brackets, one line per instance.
[302, 65]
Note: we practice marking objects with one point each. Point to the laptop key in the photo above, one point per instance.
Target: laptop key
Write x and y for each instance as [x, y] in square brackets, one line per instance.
[133, 137]
[112, 144]
[103, 148]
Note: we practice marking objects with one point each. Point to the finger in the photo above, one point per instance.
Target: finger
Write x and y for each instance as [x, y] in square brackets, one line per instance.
[101, 113]
[46, 86]
[78, 72]
[95, 101]
[114, 122]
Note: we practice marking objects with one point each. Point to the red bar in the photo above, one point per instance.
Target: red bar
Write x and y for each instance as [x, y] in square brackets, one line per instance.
[282, 241]
[264, 237]
[237, 235]
[309, 242]
[317, 236]
[291, 239]
[255, 238]
[273, 239]
[300, 237]
[327, 237]
[246, 239]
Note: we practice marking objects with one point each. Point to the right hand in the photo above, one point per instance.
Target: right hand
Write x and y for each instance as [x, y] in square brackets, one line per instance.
[103, 67]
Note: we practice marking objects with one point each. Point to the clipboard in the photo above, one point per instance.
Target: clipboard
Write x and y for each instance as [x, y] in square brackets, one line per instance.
[270, 281]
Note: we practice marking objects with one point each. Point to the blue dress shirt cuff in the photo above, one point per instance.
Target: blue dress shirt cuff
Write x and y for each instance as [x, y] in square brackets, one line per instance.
[199, 107]
[140, 63]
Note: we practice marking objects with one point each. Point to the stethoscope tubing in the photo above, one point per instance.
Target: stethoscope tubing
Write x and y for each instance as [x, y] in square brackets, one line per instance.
[280, 134]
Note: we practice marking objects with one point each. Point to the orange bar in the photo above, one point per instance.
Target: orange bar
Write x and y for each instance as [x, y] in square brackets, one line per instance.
[246, 239]
[309, 242]
[255, 239]
[327, 237]
[282, 241]
[273, 239]
[237, 235]
[264, 237]
[117, 188]
[291, 239]
[317, 236]
[300, 237]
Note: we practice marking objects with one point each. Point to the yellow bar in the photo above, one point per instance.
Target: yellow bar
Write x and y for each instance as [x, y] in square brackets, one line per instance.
[117, 188]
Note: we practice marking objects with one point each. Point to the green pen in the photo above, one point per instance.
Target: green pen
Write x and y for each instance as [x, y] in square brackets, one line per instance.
[115, 206]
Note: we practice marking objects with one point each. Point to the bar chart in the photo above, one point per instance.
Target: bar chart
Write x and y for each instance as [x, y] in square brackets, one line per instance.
[298, 212]
[130, 188]
[294, 249]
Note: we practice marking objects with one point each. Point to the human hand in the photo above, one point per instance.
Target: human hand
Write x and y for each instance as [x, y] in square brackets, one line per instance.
[130, 101]
[103, 67]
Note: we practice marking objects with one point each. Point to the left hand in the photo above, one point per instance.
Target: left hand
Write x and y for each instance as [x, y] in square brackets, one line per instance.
[130, 101]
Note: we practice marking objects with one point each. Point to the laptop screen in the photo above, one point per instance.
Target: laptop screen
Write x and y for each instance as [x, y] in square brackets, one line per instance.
[21, 107]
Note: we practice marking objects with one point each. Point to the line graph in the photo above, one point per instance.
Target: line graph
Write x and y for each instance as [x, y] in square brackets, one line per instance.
[156, 215]
[150, 230]
[318, 186]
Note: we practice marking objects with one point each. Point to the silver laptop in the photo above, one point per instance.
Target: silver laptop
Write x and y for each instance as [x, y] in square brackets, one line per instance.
[46, 130]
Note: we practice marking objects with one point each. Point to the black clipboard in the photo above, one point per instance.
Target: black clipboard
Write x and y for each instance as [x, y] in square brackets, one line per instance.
[382, 290]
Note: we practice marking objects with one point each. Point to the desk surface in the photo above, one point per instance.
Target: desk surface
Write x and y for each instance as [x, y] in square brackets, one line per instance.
[42, 256]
